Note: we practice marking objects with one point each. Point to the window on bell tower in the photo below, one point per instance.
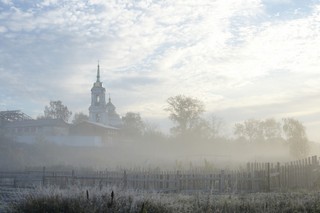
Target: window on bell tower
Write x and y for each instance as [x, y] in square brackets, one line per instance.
[97, 100]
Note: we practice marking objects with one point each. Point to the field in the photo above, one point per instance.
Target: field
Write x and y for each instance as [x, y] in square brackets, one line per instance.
[84, 199]
[9, 195]
[258, 187]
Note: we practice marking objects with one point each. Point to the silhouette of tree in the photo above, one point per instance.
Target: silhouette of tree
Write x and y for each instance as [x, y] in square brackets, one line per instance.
[79, 117]
[186, 113]
[254, 130]
[296, 137]
[132, 124]
[56, 110]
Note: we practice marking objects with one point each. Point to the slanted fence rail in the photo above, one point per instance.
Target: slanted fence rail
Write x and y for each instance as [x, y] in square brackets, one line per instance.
[255, 177]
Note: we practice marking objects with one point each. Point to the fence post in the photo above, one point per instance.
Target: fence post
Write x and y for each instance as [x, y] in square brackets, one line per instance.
[125, 179]
[72, 177]
[43, 175]
[279, 178]
[268, 177]
[314, 169]
[178, 181]
[222, 181]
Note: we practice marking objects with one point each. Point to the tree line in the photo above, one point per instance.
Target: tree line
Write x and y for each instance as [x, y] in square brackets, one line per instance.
[186, 114]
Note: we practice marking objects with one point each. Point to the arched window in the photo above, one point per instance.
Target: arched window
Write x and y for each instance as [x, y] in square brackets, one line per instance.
[97, 100]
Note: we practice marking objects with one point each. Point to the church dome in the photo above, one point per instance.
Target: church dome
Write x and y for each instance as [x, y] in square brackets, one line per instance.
[110, 106]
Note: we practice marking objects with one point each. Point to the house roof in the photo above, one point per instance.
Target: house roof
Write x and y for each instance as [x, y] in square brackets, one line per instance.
[35, 123]
[97, 124]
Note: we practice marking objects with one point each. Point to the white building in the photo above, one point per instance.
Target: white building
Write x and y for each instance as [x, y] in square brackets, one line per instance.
[100, 111]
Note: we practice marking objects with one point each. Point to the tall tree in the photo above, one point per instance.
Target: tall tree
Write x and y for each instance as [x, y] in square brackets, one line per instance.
[296, 137]
[79, 117]
[132, 124]
[57, 110]
[271, 130]
[250, 130]
[254, 130]
[153, 132]
[185, 112]
[216, 125]
[201, 130]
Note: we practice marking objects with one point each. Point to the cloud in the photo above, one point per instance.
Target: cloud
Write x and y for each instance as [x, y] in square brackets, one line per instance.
[48, 2]
[130, 83]
[6, 2]
[280, 1]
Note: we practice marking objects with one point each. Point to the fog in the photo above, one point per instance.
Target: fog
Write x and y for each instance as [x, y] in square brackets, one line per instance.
[163, 152]
[106, 141]
[245, 60]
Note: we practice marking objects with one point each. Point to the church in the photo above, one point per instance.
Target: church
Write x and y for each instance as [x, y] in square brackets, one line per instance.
[100, 111]
[104, 122]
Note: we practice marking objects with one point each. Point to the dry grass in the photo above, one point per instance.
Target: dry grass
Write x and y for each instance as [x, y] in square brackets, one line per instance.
[100, 200]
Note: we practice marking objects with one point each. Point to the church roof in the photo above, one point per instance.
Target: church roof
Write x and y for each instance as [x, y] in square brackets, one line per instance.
[110, 106]
[98, 83]
[96, 124]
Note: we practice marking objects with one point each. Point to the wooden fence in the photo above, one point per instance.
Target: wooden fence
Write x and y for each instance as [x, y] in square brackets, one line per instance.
[255, 177]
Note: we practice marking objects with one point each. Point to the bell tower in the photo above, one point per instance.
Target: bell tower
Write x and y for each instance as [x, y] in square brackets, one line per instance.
[98, 107]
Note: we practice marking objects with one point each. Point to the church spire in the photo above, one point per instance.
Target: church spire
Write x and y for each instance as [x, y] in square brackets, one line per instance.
[98, 73]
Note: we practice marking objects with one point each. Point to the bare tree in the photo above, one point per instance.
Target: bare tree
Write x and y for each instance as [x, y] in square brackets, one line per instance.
[79, 117]
[271, 130]
[152, 131]
[251, 130]
[254, 130]
[133, 124]
[296, 137]
[216, 126]
[57, 110]
[185, 112]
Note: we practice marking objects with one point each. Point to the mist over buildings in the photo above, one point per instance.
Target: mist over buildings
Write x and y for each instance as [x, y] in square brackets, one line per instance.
[195, 142]
[169, 84]
[102, 139]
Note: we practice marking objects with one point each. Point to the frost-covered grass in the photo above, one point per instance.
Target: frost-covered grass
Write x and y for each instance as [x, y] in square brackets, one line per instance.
[99, 200]
[10, 195]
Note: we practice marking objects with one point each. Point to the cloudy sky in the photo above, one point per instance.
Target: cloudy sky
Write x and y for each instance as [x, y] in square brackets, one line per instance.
[243, 58]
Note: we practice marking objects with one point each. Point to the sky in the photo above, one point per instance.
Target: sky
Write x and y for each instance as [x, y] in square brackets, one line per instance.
[245, 59]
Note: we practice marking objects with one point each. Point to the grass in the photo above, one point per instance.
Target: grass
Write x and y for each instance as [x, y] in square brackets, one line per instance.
[77, 200]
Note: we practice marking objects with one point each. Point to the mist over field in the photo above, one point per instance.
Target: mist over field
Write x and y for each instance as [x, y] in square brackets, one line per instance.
[147, 152]
[159, 83]
[159, 106]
